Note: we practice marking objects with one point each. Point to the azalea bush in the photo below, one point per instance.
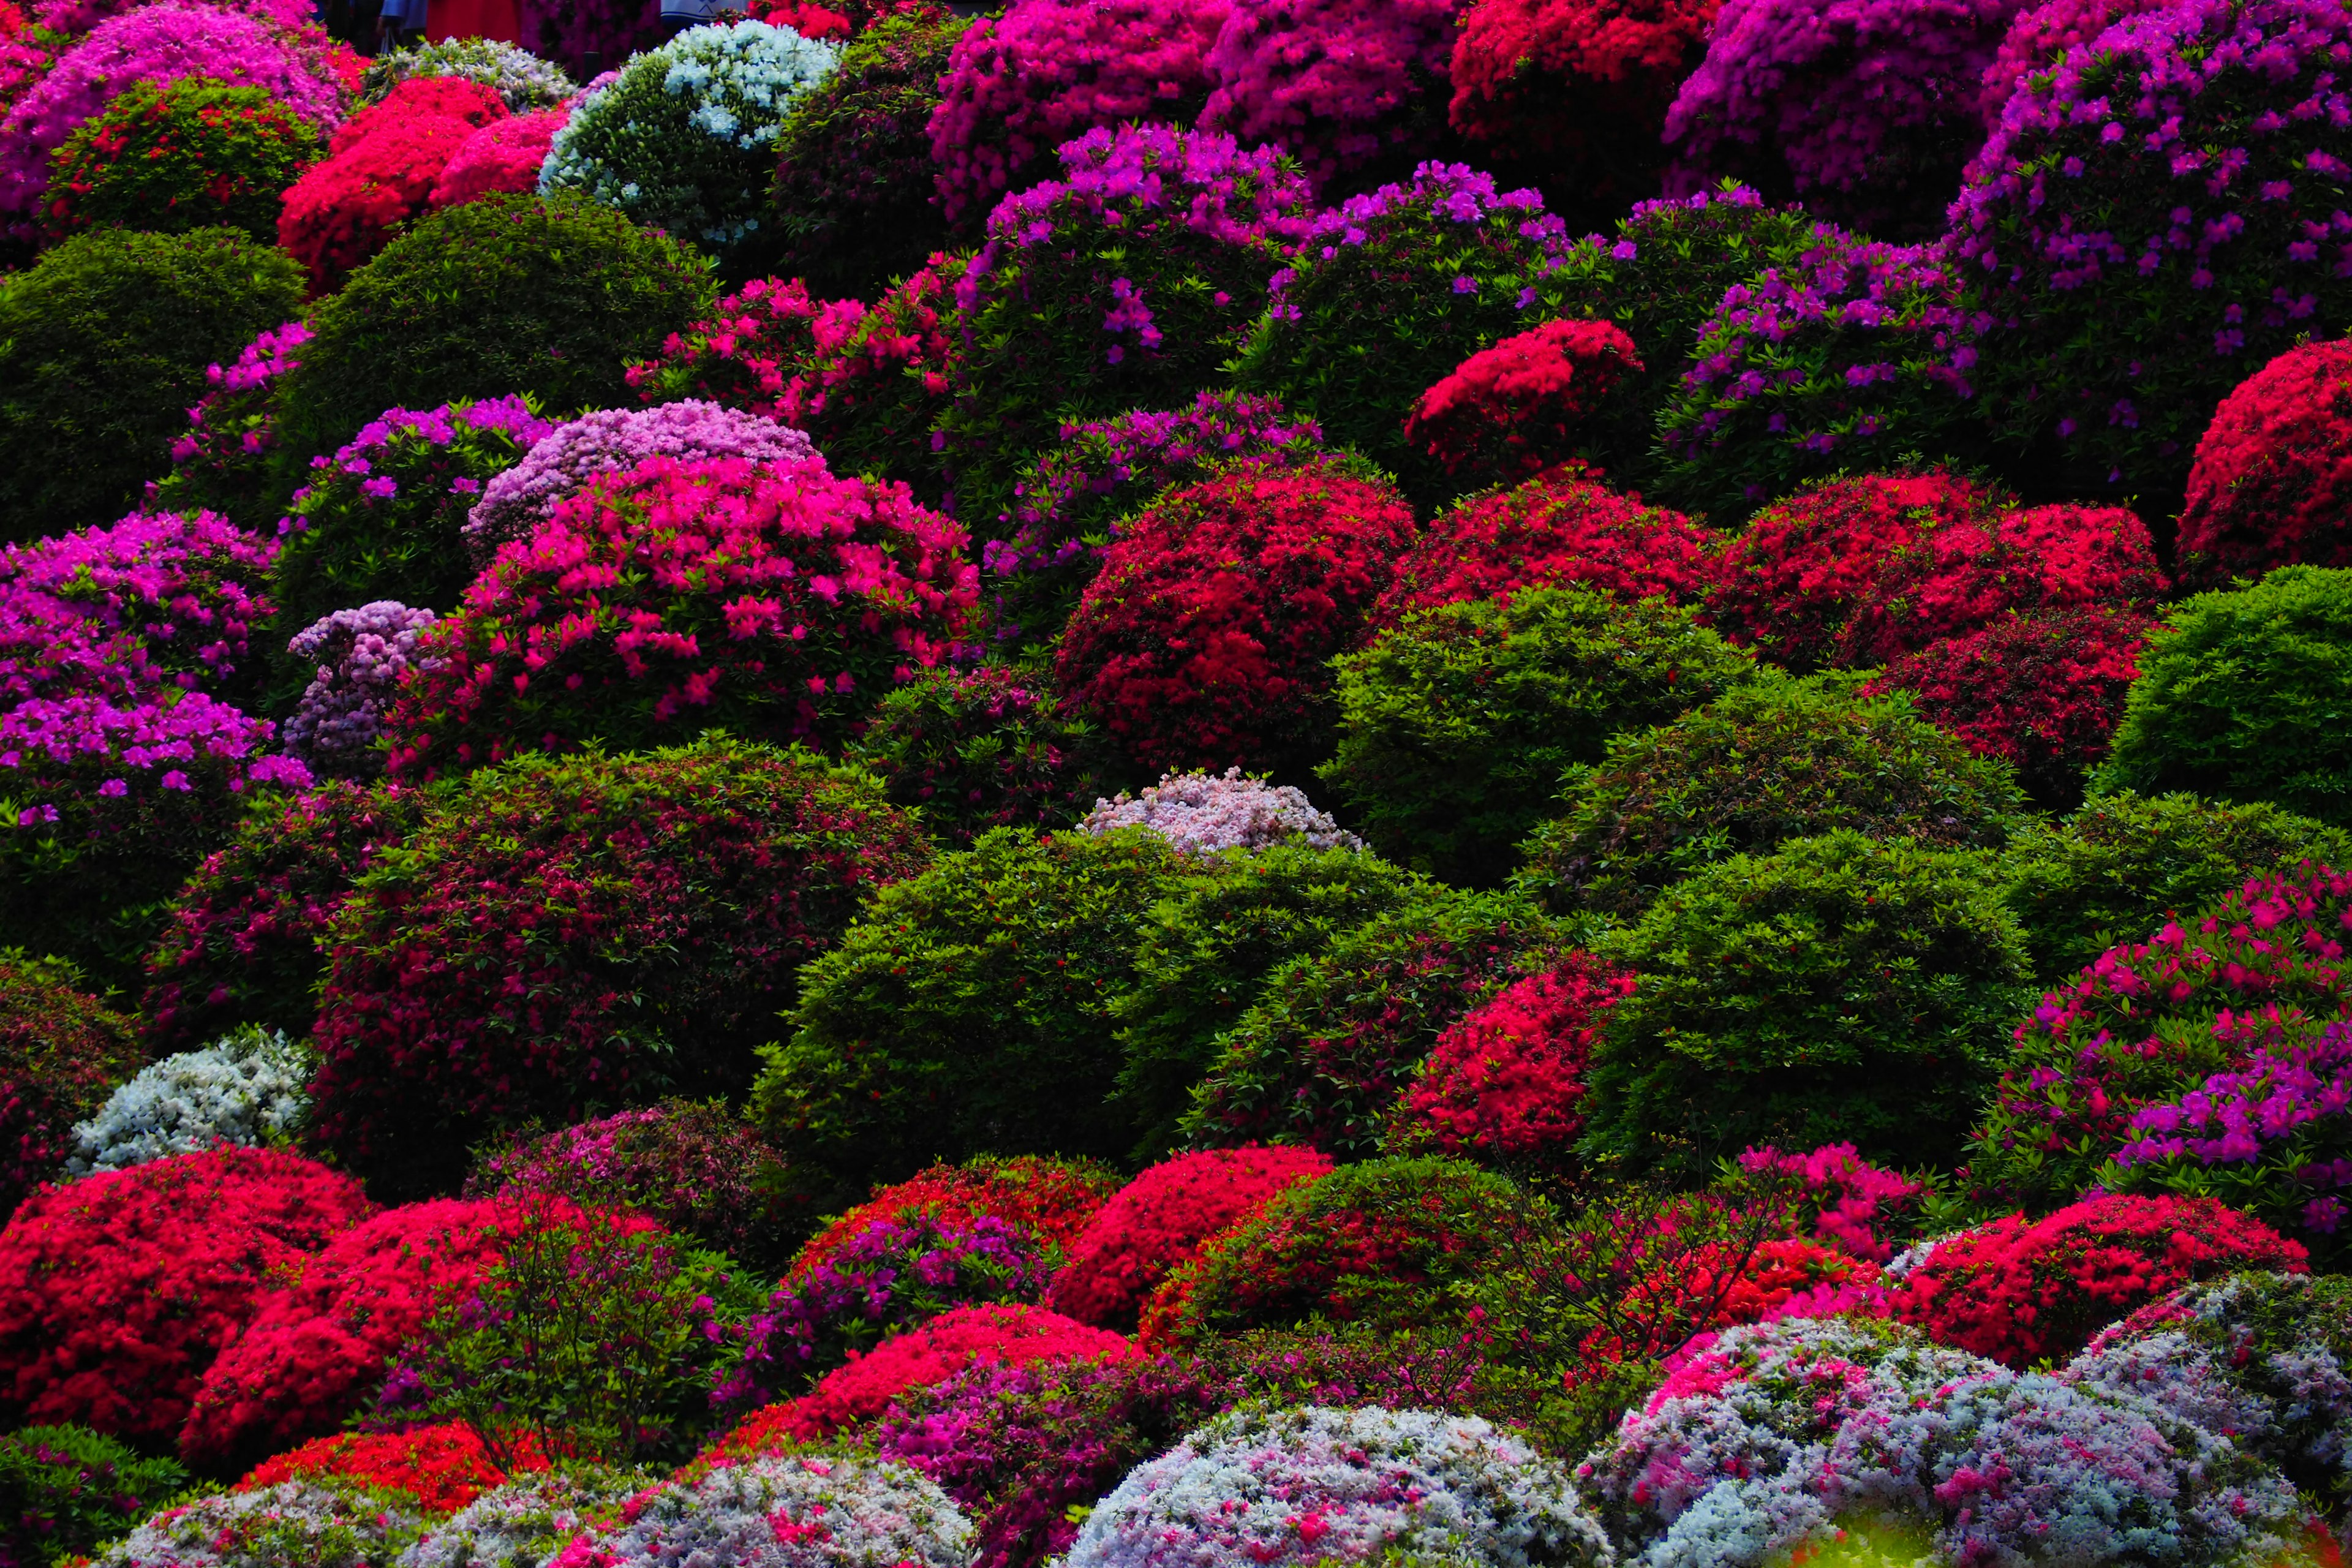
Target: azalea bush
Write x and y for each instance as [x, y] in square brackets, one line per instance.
[744, 860]
[2263, 491]
[988, 747]
[192, 153]
[1514, 408]
[68, 1490]
[528, 1519]
[61, 1051]
[444, 1466]
[249, 1087]
[224, 458]
[331, 1524]
[1348, 89]
[379, 173]
[358, 659]
[503, 157]
[1203, 812]
[1052, 1198]
[814, 1511]
[523, 80]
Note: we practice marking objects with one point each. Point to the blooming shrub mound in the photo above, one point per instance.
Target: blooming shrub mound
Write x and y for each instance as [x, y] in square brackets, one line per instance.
[2038, 35]
[853, 201]
[684, 141]
[794, 1511]
[1320, 1485]
[697, 1168]
[379, 520]
[523, 80]
[444, 1466]
[1073, 500]
[922, 1357]
[2117, 335]
[1122, 283]
[1873, 1012]
[248, 1088]
[560, 461]
[1202, 814]
[103, 346]
[567, 934]
[189, 154]
[1346, 89]
[549, 295]
[1561, 527]
[1020, 84]
[60, 1051]
[502, 157]
[965, 1010]
[326, 1524]
[1868, 115]
[241, 940]
[166, 599]
[1388, 293]
[1514, 408]
[1456, 723]
[69, 1490]
[1050, 1198]
[2271, 479]
[317, 1348]
[223, 459]
[1205, 639]
[1856, 1206]
[1854, 354]
[379, 173]
[1505, 1082]
[1159, 1221]
[360, 657]
[1769, 761]
[2021, 1290]
[1334, 1036]
[771, 598]
[2233, 696]
[972, 750]
[118, 1291]
[527, 1520]
[156, 43]
[1790, 583]
[1204, 955]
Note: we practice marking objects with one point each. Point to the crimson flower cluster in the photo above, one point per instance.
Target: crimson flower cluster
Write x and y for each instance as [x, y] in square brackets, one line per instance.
[444, 1466]
[380, 171]
[1512, 409]
[1340, 84]
[2272, 479]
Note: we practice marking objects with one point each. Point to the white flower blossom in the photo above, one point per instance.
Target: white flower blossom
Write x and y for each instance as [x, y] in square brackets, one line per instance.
[1203, 812]
[249, 1087]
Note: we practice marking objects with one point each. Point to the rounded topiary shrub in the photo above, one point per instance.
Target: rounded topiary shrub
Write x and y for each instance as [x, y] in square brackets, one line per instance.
[808, 1511]
[194, 154]
[1336, 1035]
[2238, 698]
[523, 80]
[103, 346]
[1203, 642]
[330, 1523]
[503, 156]
[2127, 296]
[564, 935]
[356, 659]
[61, 1051]
[852, 202]
[1204, 956]
[1841, 989]
[774, 599]
[2273, 471]
[225, 456]
[1775, 758]
[547, 295]
[990, 747]
[525, 1520]
[969, 1007]
[685, 140]
[1520, 407]
[1456, 723]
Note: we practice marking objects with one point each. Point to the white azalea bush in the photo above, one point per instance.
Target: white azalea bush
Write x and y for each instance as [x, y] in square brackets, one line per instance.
[250, 1088]
[294, 1524]
[523, 79]
[1260, 1488]
[526, 1522]
[1203, 812]
[798, 1510]
[684, 141]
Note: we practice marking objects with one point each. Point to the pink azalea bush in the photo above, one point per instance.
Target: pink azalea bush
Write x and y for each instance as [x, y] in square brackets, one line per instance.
[1339, 84]
[222, 460]
[503, 155]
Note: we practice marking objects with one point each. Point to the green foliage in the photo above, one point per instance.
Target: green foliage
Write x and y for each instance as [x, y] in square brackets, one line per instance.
[969, 1008]
[2246, 696]
[103, 346]
[2117, 870]
[192, 153]
[1844, 989]
[547, 295]
[65, 1490]
[1777, 759]
[1455, 725]
[1205, 953]
[976, 749]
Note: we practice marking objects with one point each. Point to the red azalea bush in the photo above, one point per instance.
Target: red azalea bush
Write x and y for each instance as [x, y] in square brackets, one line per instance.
[61, 1052]
[503, 155]
[1805, 565]
[2271, 485]
[443, 1467]
[2021, 1290]
[1159, 1221]
[568, 935]
[316, 1349]
[1202, 643]
[1964, 572]
[770, 599]
[1503, 1081]
[1562, 526]
[1054, 1198]
[851, 1396]
[1512, 409]
[240, 942]
[1020, 84]
[2041, 689]
[380, 171]
[1340, 84]
[118, 1290]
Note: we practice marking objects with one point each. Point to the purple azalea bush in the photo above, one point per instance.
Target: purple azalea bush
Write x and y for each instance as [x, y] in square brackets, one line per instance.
[361, 656]
[223, 462]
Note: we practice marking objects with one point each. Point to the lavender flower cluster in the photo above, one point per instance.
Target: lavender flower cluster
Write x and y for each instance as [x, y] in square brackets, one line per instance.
[798, 1512]
[361, 656]
[516, 503]
[1203, 812]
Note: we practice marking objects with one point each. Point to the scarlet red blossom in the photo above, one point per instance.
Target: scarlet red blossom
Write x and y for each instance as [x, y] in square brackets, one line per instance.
[1510, 410]
[443, 1467]
[380, 171]
[2271, 485]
